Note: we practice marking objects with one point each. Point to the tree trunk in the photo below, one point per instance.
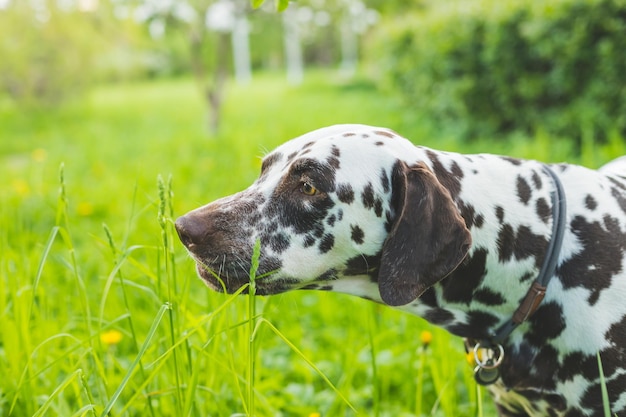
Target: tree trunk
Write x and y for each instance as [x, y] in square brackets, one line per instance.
[212, 84]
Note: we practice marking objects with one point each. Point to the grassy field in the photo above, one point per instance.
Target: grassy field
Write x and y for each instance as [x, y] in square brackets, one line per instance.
[100, 308]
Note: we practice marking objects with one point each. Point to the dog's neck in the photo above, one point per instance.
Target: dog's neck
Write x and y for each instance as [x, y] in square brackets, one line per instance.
[505, 257]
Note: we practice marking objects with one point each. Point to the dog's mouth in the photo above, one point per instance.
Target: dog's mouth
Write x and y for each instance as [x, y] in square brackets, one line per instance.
[229, 279]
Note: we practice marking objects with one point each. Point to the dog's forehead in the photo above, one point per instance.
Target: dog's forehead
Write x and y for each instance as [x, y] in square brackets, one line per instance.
[340, 146]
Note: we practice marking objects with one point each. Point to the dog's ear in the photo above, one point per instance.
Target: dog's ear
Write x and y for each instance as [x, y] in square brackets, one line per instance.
[428, 239]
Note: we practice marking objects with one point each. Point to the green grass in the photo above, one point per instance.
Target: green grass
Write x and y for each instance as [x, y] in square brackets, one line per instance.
[100, 308]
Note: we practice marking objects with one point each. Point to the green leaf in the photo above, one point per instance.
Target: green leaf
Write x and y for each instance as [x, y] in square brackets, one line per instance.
[257, 3]
[281, 5]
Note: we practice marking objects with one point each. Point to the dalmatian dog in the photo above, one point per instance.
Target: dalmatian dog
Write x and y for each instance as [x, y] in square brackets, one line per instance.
[456, 239]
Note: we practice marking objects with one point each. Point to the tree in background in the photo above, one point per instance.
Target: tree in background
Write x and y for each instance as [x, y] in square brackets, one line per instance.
[214, 27]
[48, 52]
[207, 26]
[57, 48]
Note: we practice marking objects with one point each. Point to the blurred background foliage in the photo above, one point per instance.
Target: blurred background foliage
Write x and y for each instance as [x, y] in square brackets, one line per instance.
[104, 89]
[473, 68]
[496, 68]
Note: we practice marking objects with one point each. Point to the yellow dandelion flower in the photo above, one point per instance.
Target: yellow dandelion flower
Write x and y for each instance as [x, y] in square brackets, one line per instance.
[469, 356]
[111, 337]
[426, 337]
[315, 415]
[21, 187]
[84, 209]
[39, 155]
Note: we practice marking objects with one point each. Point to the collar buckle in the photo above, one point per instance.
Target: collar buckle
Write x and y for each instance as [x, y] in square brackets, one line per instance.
[530, 303]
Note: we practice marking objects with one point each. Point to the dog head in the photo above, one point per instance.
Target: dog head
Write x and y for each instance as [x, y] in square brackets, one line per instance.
[344, 203]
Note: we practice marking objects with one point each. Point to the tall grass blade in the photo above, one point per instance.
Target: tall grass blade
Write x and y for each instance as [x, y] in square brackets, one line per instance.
[605, 393]
[25, 376]
[57, 391]
[84, 410]
[42, 262]
[142, 351]
[374, 365]
[256, 254]
[117, 272]
[307, 360]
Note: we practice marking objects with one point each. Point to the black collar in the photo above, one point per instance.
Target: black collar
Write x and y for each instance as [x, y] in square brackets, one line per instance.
[534, 296]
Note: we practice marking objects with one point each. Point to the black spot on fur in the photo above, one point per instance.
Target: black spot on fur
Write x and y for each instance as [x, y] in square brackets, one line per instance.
[544, 366]
[291, 156]
[269, 161]
[527, 277]
[593, 395]
[357, 234]
[370, 201]
[345, 193]
[278, 242]
[439, 316]
[591, 202]
[309, 241]
[521, 244]
[500, 214]
[506, 240]
[327, 243]
[428, 298]
[459, 286]
[331, 220]
[536, 180]
[618, 183]
[489, 297]
[479, 220]
[329, 275]
[600, 258]
[617, 332]
[570, 366]
[547, 323]
[378, 207]
[477, 327]
[333, 162]
[530, 367]
[451, 180]
[367, 196]
[385, 133]
[513, 161]
[384, 179]
[363, 265]
[524, 191]
[620, 196]
[470, 216]
[543, 210]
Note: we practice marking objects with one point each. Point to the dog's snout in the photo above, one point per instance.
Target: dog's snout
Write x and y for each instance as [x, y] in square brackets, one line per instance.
[191, 229]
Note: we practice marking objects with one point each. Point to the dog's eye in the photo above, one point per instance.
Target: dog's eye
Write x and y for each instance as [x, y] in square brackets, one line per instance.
[307, 189]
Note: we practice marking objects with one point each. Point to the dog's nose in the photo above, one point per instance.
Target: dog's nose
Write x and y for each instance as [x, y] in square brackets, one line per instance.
[191, 229]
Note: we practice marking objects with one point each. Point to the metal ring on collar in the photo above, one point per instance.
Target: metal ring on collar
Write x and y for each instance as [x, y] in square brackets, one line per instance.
[489, 362]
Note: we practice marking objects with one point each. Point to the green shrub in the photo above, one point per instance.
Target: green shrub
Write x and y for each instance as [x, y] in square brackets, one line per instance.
[46, 54]
[497, 68]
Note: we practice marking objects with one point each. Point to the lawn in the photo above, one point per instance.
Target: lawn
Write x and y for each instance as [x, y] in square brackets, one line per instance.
[100, 308]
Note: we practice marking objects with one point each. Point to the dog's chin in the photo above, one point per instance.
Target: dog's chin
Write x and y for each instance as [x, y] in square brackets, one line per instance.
[228, 285]
[232, 284]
